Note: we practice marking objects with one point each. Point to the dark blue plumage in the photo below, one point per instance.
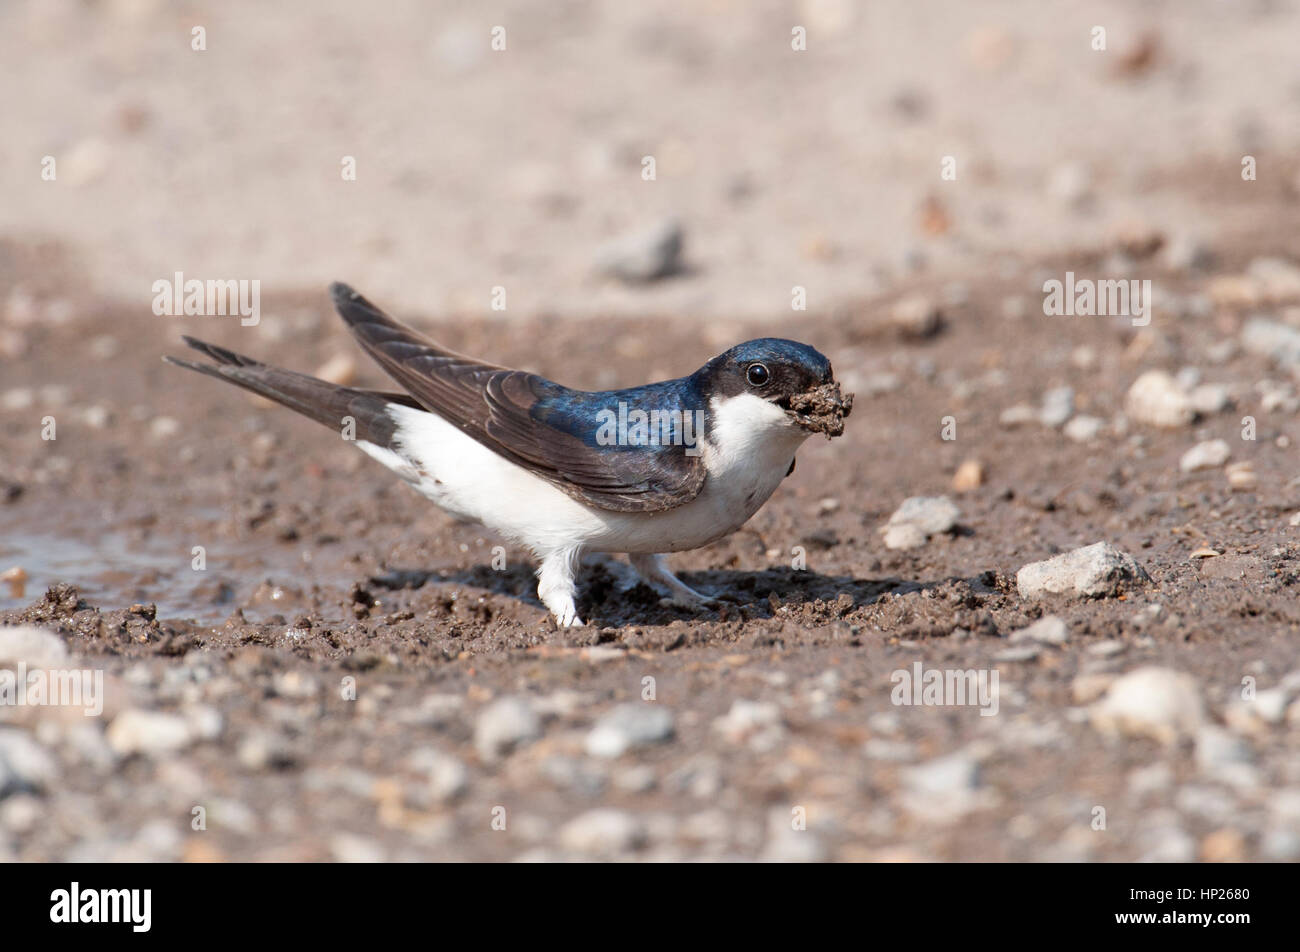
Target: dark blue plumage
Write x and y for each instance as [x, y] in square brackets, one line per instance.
[579, 413]
[632, 450]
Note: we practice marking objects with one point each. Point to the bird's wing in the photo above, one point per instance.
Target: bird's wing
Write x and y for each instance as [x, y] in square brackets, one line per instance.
[514, 414]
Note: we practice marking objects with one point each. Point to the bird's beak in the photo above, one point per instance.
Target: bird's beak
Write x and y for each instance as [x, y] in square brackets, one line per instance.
[821, 410]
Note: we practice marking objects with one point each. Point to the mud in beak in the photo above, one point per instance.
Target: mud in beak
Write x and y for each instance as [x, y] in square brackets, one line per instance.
[820, 410]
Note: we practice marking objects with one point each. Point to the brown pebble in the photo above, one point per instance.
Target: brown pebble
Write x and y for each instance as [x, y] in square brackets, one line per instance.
[1139, 57]
[969, 476]
[16, 579]
[935, 219]
[916, 317]
[1241, 476]
[1223, 846]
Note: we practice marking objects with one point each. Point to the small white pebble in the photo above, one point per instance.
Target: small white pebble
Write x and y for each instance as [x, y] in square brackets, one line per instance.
[164, 427]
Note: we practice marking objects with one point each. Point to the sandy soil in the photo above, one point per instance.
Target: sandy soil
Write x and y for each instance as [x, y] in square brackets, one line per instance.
[353, 675]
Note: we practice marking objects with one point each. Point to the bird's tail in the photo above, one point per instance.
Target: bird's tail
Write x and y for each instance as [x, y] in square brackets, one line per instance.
[324, 402]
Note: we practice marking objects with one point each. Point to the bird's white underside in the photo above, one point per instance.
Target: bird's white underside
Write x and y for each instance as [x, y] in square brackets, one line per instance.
[746, 454]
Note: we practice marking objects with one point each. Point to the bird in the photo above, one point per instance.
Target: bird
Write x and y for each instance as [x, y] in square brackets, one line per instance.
[643, 471]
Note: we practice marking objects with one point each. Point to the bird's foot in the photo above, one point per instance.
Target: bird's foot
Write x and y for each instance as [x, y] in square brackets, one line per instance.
[556, 588]
[695, 602]
[566, 617]
[654, 570]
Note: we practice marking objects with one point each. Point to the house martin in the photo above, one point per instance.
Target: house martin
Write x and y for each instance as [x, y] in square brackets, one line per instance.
[644, 471]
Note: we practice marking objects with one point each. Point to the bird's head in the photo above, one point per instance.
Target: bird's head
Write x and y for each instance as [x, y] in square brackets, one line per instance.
[794, 377]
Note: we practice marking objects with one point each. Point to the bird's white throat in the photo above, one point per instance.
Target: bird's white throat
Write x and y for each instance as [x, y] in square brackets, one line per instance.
[750, 433]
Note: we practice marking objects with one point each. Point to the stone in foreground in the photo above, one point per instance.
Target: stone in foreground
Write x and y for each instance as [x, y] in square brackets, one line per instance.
[1095, 571]
[1151, 702]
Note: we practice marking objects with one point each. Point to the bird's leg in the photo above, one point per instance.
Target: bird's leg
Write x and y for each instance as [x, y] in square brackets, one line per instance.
[654, 569]
[556, 587]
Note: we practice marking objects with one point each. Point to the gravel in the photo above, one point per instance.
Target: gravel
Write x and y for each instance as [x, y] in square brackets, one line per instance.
[644, 256]
[1153, 702]
[1057, 408]
[504, 725]
[1083, 428]
[1208, 455]
[1158, 399]
[603, 833]
[761, 723]
[1278, 342]
[24, 764]
[942, 790]
[34, 646]
[1048, 630]
[919, 518]
[627, 727]
[149, 733]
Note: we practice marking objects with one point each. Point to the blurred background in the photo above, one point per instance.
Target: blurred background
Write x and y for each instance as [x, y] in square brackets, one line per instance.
[518, 168]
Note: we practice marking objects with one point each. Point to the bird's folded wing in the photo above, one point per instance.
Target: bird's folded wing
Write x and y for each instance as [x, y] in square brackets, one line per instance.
[498, 407]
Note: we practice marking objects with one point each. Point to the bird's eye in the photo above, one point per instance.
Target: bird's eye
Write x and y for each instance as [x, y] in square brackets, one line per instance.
[757, 375]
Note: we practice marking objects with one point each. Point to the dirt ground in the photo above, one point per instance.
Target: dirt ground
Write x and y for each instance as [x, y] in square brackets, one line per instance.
[320, 567]
[304, 660]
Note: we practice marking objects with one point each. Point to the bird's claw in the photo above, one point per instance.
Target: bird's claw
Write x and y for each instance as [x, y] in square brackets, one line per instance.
[690, 603]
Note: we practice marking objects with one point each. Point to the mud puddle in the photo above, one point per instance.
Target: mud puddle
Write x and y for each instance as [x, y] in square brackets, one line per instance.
[193, 582]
